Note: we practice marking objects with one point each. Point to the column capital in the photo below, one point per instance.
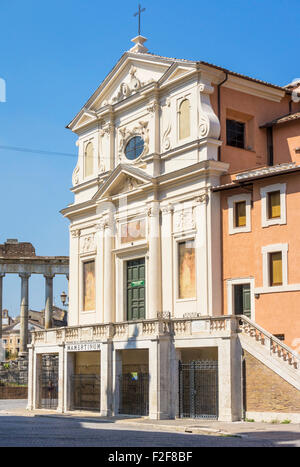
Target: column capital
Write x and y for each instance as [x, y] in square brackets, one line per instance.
[24, 275]
[75, 233]
[2, 274]
[49, 276]
[168, 209]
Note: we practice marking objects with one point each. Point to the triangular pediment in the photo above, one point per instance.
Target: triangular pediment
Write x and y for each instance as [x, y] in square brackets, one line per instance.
[124, 179]
[134, 71]
[84, 118]
[176, 71]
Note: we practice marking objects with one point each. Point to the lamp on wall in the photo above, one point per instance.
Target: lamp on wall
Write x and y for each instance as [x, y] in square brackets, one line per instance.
[257, 295]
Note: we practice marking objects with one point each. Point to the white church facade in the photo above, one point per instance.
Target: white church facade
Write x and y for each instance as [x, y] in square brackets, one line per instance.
[146, 332]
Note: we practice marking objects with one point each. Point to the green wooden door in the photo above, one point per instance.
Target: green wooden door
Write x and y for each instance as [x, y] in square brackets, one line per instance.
[136, 289]
[242, 300]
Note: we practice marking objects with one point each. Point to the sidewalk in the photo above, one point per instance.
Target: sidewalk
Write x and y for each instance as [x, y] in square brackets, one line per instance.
[273, 431]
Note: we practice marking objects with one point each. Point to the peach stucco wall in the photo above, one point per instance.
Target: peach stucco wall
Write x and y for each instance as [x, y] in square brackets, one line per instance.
[278, 313]
[262, 111]
[286, 138]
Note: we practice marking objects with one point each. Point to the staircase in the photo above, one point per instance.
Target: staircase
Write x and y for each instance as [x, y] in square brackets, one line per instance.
[269, 350]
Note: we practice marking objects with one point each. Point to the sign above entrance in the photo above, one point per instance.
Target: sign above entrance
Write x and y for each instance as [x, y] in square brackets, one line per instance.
[83, 347]
[137, 283]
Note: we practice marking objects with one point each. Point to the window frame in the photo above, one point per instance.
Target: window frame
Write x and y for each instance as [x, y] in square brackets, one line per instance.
[179, 104]
[266, 251]
[87, 259]
[91, 141]
[228, 119]
[230, 294]
[231, 202]
[264, 191]
[178, 240]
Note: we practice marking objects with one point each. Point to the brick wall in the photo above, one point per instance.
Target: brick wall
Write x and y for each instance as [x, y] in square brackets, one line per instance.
[265, 391]
[14, 248]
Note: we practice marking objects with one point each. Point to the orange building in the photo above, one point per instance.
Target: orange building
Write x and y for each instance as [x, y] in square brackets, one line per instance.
[260, 200]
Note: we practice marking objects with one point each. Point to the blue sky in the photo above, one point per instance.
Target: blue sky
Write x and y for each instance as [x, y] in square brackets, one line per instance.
[53, 55]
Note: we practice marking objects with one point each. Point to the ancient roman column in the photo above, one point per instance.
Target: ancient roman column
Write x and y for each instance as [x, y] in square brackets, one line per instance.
[24, 313]
[48, 300]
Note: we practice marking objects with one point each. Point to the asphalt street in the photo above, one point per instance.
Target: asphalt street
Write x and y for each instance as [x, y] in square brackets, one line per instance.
[43, 431]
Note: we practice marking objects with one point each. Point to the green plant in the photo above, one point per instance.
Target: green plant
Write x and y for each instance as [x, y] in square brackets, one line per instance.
[285, 421]
[274, 422]
[249, 420]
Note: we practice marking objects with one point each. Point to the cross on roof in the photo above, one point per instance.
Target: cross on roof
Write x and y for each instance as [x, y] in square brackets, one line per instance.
[141, 10]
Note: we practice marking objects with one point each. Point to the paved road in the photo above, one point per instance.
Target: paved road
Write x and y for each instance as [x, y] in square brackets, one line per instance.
[41, 431]
[16, 429]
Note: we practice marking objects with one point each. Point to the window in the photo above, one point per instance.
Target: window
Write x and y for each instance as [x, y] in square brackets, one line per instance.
[275, 264]
[184, 119]
[89, 286]
[235, 132]
[89, 160]
[186, 270]
[273, 204]
[281, 337]
[239, 213]
[275, 269]
[134, 148]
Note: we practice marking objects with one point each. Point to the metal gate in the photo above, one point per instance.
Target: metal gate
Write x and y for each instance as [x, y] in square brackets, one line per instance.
[134, 393]
[49, 382]
[198, 389]
[86, 392]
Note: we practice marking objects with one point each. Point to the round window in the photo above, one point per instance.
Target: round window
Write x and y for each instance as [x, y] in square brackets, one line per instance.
[134, 148]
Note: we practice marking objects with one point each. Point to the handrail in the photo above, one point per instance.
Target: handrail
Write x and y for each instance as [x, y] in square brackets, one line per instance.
[273, 340]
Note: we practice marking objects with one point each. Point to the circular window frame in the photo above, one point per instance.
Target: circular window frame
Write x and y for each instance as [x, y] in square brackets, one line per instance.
[132, 137]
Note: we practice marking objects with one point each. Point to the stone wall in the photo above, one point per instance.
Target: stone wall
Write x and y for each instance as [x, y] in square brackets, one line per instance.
[265, 391]
[14, 372]
[12, 248]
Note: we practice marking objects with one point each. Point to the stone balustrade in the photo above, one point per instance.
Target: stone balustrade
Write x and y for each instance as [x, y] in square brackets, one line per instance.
[275, 347]
[178, 327]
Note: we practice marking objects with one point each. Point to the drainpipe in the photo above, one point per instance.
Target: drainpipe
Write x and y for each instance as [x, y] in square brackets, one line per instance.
[219, 108]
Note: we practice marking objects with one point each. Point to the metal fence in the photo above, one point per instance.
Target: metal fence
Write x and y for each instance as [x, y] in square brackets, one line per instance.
[134, 393]
[86, 392]
[198, 389]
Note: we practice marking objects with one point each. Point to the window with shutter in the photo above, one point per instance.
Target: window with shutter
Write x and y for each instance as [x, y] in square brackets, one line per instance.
[276, 268]
[240, 214]
[274, 205]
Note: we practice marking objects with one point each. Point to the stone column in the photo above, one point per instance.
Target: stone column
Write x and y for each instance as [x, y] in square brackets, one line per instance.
[167, 259]
[108, 313]
[106, 379]
[31, 382]
[48, 300]
[154, 269]
[117, 372]
[69, 368]
[160, 394]
[61, 374]
[230, 379]
[24, 314]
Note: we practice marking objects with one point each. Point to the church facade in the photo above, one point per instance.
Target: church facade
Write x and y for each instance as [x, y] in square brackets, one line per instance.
[149, 330]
